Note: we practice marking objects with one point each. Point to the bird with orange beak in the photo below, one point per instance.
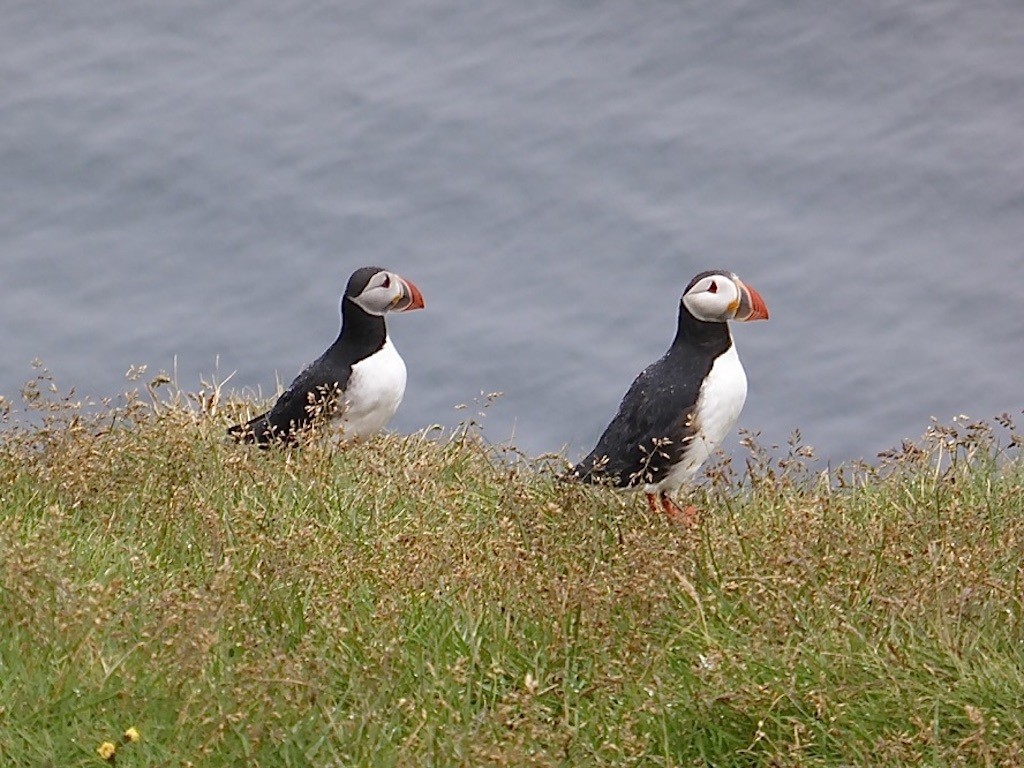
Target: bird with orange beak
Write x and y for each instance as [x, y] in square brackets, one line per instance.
[358, 383]
[680, 408]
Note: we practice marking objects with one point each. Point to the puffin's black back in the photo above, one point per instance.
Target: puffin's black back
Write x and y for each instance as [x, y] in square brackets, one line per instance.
[316, 389]
[654, 425]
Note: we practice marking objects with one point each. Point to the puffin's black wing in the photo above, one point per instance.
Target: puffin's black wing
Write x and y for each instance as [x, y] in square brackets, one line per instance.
[313, 393]
[651, 432]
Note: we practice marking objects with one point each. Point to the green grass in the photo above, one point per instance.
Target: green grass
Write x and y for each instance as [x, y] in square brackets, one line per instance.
[432, 600]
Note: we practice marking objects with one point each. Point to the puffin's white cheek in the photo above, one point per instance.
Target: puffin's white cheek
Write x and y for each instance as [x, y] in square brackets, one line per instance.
[377, 300]
[704, 306]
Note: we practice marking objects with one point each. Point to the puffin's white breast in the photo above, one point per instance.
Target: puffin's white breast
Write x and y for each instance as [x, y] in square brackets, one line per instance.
[718, 408]
[374, 392]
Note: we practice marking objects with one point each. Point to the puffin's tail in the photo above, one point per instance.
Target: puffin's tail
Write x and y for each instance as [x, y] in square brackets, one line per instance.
[594, 470]
[256, 430]
[584, 472]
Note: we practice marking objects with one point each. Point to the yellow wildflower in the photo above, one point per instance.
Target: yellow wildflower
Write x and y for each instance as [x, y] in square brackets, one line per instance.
[107, 750]
[131, 735]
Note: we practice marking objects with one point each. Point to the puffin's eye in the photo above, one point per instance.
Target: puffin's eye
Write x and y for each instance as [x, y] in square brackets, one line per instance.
[387, 282]
[713, 288]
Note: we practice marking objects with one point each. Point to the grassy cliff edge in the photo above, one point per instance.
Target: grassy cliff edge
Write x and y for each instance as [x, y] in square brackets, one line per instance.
[433, 600]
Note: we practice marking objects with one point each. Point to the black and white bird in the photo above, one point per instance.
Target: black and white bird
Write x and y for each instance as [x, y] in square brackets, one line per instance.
[679, 409]
[359, 382]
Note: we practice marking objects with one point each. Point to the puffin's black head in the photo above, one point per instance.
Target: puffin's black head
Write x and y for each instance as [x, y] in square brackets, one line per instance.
[718, 295]
[377, 291]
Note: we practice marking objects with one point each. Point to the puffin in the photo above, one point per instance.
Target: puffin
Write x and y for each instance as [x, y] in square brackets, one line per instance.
[680, 408]
[359, 382]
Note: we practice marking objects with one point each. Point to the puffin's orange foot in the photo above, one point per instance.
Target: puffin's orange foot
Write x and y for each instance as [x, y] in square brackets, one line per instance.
[652, 503]
[686, 517]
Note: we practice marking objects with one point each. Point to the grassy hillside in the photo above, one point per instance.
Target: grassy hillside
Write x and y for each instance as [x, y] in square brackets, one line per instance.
[429, 600]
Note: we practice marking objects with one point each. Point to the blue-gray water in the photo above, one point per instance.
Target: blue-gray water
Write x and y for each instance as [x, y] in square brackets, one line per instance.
[195, 181]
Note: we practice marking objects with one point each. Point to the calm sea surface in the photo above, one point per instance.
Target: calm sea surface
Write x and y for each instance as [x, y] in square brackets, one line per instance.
[191, 184]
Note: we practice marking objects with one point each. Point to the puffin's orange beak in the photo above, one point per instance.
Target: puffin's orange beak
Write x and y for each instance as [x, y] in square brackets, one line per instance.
[752, 306]
[411, 297]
